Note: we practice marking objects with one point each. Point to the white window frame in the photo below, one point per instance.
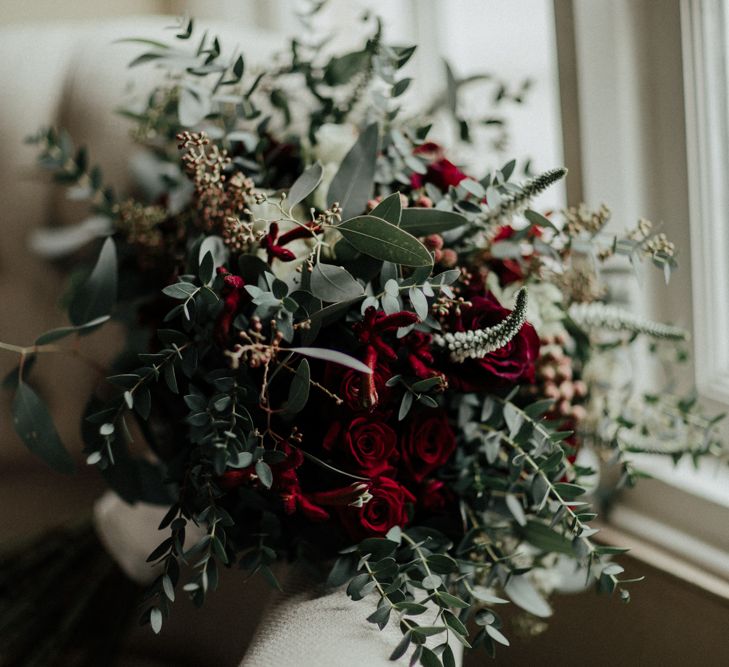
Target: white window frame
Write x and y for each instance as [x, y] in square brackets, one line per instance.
[644, 154]
[707, 122]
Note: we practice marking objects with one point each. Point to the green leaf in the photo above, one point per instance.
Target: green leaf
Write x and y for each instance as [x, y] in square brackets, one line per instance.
[207, 266]
[425, 221]
[341, 69]
[419, 302]
[524, 595]
[380, 616]
[432, 581]
[496, 635]
[334, 356]
[353, 183]
[538, 219]
[389, 209]
[545, 538]
[34, 425]
[427, 384]
[181, 290]
[97, 296]
[400, 87]
[454, 623]
[168, 588]
[429, 659]
[411, 608]
[516, 509]
[155, 619]
[428, 630]
[299, 389]
[342, 571]
[304, 185]
[56, 334]
[263, 470]
[382, 240]
[401, 648]
[334, 284]
[569, 491]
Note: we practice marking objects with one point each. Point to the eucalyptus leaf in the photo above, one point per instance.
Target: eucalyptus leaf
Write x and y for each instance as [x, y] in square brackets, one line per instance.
[353, 183]
[420, 303]
[382, 240]
[516, 509]
[62, 332]
[299, 389]
[523, 594]
[389, 209]
[97, 296]
[34, 425]
[333, 356]
[425, 221]
[304, 185]
[333, 284]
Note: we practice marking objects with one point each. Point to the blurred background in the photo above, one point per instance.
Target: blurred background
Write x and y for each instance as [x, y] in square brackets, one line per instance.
[630, 95]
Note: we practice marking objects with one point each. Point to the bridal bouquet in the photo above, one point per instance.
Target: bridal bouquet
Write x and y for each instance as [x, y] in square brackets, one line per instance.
[344, 349]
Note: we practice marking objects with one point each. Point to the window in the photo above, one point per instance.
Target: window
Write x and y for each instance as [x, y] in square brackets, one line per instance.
[647, 154]
[474, 36]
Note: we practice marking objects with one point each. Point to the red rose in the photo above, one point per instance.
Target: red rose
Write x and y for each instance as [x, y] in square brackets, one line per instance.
[511, 270]
[442, 173]
[427, 444]
[503, 368]
[386, 508]
[368, 445]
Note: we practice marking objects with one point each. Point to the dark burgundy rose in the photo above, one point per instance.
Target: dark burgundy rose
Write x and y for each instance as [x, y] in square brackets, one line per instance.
[386, 508]
[427, 444]
[366, 444]
[499, 370]
[511, 270]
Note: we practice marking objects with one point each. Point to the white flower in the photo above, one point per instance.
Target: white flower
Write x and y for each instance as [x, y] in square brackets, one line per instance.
[332, 144]
[544, 306]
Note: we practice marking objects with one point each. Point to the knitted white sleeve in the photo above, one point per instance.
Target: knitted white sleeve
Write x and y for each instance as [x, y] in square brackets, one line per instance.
[311, 626]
